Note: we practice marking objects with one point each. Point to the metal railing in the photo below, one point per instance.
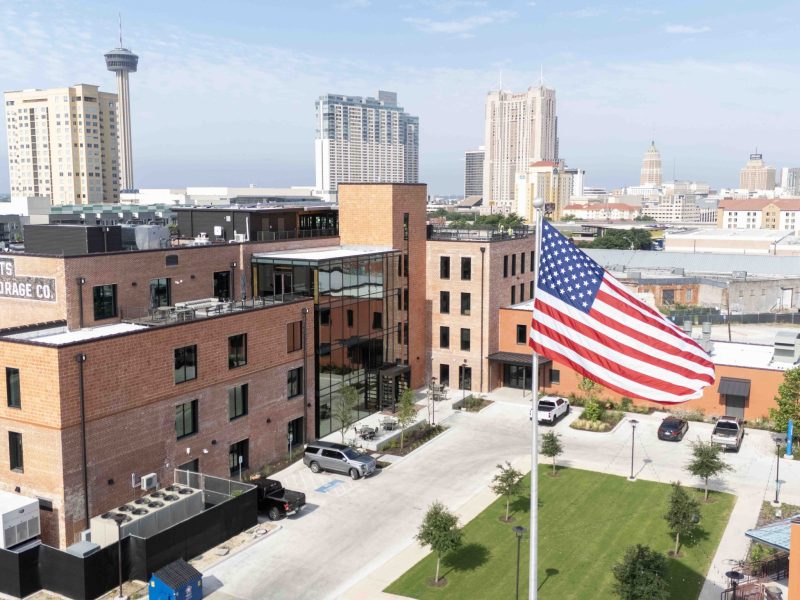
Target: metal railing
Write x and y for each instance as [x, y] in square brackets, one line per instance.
[295, 234]
[765, 318]
[215, 489]
[479, 235]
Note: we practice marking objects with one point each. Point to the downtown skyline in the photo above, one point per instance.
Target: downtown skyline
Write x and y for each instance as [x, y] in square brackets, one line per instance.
[227, 97]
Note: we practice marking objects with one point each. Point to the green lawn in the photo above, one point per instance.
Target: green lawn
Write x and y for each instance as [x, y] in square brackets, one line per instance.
[586, 520]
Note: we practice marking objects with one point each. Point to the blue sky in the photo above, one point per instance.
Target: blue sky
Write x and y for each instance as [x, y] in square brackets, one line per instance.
[225, 91]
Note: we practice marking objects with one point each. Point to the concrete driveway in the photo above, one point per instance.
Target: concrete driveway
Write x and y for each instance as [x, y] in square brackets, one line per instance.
[354, 528]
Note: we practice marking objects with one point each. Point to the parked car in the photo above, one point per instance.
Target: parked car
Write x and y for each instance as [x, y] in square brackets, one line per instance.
[277, 501]
[328, 456]
[551, 408]
[728, 433]
[673, 429]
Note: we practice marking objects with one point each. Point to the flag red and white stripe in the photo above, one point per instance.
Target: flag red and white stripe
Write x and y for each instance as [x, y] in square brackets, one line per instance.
[587, 320]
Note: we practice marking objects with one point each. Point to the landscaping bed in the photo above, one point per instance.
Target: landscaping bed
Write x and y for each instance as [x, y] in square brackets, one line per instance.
[471, 403]
[572, 564]
[414, 438]
[605, 423]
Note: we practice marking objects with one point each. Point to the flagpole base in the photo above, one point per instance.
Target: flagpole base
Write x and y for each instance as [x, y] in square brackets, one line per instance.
[631, 479]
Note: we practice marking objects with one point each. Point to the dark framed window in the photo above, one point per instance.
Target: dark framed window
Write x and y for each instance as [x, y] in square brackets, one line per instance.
[294, 336]
[405, 333]
[521, 292]
[466, 268]
[444, 303]
[465, 339]
[513, 294]
[171, 260]
[186, 419]
[185, 364]
[294, 382]
[15, 451]
[522, 334]
[237, 350]
[405, 226]
[505, 266]
[294, 431]
[160, 292]
[530, 291]
[349, 317]
[464, 377]
[239, 456]
[105, 301]
[405, 298]
[444, 337]
[444, 374]
[377, 320]
[466, 301]
[324, 316]
[237, 401]
[513, 264]
[555, 376]
[405, 264]
[532, 263]
[13, 396]
[444, 267]
[522, 263]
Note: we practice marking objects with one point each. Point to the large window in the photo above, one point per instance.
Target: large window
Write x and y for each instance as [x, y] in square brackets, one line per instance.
[522, 334]
[513, 264]
[505, 266]
[466, 268]
[237, 401]
[444, 337]
[237, 350]
[465, 303]
[294, 382]
[349, 317]
[555, 376]
[294, 336]
[105, 301]
[444, 302]
[13, 395]
[239, 457]
[160, 294]
[15, 451]
[186, 419]
[513, 294]
[444, 374]
[464, 377]
[377, 320]
[522, 263]
[444, 267]
[185, 364]
[465, 339]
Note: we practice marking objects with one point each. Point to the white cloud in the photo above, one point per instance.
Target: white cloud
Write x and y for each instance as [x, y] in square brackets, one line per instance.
[461, 27]
[583, 13]
[687, 29]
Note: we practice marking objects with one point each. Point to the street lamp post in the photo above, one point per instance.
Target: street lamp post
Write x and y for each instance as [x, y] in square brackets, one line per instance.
[520, 531]
[433, 401]
[119, 518]
[464, 381]
[778, 442]
[634, 423]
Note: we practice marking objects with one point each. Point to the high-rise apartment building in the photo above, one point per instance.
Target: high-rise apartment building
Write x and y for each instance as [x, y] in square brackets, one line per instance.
[547, 180]
[473, 172]
[62, 144]
[651, 167]
[520, 128]
[756, 175]
[790, 181]
[364, 140]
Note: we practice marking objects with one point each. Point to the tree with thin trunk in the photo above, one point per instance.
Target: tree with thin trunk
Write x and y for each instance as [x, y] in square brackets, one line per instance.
[683, 514]
[551, 447]
[440, 531]
[706, 462]
[406, 413]
[506, 483]
[641, 575]
[344, 408]
[787, 401]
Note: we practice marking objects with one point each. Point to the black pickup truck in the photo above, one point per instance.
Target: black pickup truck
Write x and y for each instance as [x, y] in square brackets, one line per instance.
[276, 501]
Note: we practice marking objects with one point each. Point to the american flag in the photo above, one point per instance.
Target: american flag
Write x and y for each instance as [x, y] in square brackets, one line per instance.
[587, 320]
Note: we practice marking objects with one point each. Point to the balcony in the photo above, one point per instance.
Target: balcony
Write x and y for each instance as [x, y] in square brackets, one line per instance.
[478, 235]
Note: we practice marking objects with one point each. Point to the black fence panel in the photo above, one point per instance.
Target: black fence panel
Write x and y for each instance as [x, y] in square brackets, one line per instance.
[19, 575]
[80, 578]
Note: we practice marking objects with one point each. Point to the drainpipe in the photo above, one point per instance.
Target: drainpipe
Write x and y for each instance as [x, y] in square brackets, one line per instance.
[81, 358]
[483, 256]
[305, 374]
[81, 281]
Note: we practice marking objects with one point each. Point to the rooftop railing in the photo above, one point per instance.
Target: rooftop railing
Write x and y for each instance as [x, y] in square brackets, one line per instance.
[479, 235]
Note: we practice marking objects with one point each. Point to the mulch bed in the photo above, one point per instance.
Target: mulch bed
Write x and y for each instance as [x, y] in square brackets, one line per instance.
[413, 440]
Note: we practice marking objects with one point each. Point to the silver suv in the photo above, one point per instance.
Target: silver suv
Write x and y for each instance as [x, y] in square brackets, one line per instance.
[328, 456]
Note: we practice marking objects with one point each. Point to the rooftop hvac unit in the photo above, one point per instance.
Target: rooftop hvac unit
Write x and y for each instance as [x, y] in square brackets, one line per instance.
[739, 274]
[239, 237]
[149, 481]
[678, 271]
[634, 275]
[19, 519]
[787, 347]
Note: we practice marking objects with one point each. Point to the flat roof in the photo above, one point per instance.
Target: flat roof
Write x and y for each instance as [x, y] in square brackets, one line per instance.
[10, 501]
[325, 253]
[732, 234]
[58, 336]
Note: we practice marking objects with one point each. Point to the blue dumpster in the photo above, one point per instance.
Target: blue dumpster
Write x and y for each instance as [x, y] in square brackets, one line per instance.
[177, 581]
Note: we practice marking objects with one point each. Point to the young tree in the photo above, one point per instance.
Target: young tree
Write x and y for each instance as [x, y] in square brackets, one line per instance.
[440, 531]
[787, 400]
[406, 412]
[506, 483]
[551, 447]
[706, 462]
[590, 388]
[683, 514]
[344, 408]
[641, 575]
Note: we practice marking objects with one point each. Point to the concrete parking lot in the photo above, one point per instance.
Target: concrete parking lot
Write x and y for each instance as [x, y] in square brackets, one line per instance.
[353, 529]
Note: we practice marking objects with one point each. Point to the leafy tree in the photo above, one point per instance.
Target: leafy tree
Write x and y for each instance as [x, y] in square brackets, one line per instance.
[506, 483]
[568, 218]
[593, 411]
[787, 400]
[551, 447]
[406, 412]
[683, 514]
[620, 239]
[440, 531]
[706, 462]
[643, 218]
[590, 388]
[344, 409]
[641, 575]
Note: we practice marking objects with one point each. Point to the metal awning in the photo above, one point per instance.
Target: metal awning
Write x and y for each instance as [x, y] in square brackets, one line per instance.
[394, 371]
[730, 386]
[775, 534]
[514, 358]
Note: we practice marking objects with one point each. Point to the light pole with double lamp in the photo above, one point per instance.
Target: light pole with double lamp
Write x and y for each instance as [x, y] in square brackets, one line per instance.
[634, 423]
[120, 519]
[778, 441]
[520, 531]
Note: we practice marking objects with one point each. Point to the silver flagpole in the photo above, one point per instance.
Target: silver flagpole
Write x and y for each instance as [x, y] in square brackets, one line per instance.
[538, 204]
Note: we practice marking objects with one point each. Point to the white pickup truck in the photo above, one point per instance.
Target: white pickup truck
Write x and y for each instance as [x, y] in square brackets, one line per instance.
[728, 433]
[551, 408]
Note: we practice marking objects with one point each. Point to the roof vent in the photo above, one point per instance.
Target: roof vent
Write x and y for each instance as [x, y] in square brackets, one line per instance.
[787, 347]
[739, 274]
